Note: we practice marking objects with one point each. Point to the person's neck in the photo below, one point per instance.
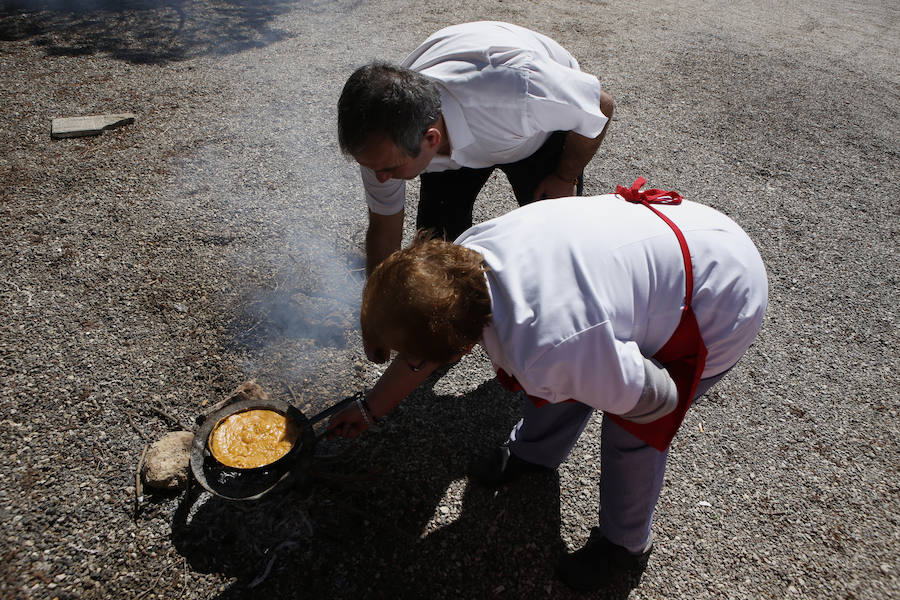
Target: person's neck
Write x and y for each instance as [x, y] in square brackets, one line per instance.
[444, 147]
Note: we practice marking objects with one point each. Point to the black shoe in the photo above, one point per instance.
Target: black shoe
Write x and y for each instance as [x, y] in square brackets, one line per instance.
[502, 466]
[599, 563]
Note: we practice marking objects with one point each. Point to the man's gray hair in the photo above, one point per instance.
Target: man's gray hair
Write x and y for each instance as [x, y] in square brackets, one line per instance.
[384, 99]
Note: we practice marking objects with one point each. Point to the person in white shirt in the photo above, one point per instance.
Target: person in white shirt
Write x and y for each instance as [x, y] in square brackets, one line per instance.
[576, 302]
[471, 98]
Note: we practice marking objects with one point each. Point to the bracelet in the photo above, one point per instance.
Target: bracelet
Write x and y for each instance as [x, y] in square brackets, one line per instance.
[365, 403]
[362, 411]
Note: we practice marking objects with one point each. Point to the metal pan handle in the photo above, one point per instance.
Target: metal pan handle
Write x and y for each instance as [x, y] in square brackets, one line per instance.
[336, 408]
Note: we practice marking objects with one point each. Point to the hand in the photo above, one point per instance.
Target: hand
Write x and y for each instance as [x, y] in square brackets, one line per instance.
[348, 423]
[553, 186]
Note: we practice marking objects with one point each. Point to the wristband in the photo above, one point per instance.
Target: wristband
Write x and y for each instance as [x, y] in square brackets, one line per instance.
[362, 411]
[365, 403]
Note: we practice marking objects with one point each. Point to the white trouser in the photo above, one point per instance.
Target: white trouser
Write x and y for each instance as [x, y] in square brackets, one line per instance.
[632, 471]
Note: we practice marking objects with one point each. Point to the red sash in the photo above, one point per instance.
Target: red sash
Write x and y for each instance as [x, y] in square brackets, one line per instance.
[683, 356]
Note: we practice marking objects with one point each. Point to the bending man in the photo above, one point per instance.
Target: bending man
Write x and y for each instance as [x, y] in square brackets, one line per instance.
[633, 304]
[471, 98]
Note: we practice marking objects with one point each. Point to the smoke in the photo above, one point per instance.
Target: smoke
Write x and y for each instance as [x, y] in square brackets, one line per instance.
[259, 195]
[316, 297]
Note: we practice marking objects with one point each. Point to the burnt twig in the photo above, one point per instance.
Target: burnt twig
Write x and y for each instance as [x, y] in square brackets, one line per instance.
[185, 576]
[291, 390]
[262, 577]
[152, 586]
[138, 486]
[175, 420]
[128, 416]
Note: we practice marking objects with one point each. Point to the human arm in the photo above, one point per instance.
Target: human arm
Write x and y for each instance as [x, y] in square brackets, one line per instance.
[595, 368]
[384, 235]
[385, 200]
[590, 365]
[659, 396]
[397, 382]
[577, 153]
[641, 401]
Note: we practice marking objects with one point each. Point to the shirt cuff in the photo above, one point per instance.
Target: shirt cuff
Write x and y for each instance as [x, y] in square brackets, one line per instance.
[386, 198]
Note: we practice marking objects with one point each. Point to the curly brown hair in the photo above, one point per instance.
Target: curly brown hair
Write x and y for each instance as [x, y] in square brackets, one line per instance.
[430, 300]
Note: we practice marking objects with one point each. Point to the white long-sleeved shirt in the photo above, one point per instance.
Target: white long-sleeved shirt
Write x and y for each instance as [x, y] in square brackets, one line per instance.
[504, 89]
[582, 289]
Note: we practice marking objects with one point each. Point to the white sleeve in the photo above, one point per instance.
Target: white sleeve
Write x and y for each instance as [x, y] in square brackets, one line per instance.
[559, 98]
[660, 395]
[592, 367]
[386, 198]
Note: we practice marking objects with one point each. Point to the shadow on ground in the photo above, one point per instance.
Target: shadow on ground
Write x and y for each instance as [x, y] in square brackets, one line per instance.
[374, 523]
[144, 31]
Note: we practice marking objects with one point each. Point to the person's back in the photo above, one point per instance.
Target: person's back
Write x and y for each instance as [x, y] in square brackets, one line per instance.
[607, 274]
[490, 66]
[467, 42]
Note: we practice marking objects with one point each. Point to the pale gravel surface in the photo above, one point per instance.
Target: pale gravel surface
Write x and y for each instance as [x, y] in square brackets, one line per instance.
[217, 240]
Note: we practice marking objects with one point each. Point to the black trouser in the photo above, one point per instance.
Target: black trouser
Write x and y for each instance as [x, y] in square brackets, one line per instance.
[446, 198]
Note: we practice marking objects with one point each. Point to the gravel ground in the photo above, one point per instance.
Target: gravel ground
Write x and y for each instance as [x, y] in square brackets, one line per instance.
[153, 269]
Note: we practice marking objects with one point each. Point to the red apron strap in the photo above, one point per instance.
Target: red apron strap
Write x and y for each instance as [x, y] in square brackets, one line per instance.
[652, 196]
[655, 196]
[684, 355]
[508, 381]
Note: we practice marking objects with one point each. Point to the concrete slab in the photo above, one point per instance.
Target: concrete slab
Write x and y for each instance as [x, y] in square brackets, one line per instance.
[67, 127]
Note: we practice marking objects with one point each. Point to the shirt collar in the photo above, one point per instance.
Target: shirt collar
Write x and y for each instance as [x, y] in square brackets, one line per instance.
[457, 128]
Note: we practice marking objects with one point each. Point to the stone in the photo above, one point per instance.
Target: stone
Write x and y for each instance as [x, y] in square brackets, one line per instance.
[167, 464]
[68, 127]
[249, 390]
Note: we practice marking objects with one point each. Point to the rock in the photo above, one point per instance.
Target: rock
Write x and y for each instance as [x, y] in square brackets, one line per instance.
[249, 390]
[167, 464]
[67, 127]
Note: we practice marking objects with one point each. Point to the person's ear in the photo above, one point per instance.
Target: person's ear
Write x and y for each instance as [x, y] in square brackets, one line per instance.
[433, 137]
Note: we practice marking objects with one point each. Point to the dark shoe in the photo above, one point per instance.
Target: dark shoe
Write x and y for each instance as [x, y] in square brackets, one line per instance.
[599, 563]
[502, 466]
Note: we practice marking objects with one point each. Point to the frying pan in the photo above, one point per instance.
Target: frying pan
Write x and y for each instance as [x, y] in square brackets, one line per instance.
[251, 484]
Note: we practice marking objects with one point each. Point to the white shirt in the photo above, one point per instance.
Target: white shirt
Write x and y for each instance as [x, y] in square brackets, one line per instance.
[504, 90]
[582, 288]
